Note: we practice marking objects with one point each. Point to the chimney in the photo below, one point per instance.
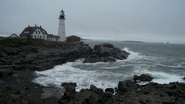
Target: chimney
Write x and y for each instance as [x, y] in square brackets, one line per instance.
[35, 25]
[40, 26]
[28, 25]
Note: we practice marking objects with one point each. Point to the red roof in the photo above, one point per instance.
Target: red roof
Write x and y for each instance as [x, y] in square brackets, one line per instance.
[73, 36]
[56, 36]
[30, 31]
[51, 36]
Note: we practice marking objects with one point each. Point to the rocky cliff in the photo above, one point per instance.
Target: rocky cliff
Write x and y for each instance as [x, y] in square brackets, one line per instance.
[36, 54]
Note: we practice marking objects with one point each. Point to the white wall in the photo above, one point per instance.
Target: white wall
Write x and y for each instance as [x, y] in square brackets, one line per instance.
[39, 34]
[61, 30]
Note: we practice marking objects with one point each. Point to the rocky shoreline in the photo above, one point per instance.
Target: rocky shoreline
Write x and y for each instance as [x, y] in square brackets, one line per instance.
[19, 58]
[19, 89]
[128, 92]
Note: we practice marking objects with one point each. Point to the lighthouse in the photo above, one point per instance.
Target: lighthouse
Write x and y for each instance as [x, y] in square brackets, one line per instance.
[61, 27]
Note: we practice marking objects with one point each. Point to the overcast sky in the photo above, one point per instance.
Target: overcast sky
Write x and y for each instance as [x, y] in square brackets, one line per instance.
[141, 20]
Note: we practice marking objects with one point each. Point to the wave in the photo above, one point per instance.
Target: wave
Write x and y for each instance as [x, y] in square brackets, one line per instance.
[159, 76]
[178, 66]
[136, 56]
[105, 74]
[68, 73]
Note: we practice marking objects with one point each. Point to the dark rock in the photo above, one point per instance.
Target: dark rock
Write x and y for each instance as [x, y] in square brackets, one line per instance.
[95, 89]
[2, 54]
[69, 90]
[65, 84]
[6, 73]
[92, 58]
[79, 50]
[14, 97]
[26, 88]
[3, 62]
[106, 52]
[30, 54]
[19, 67]
[109, 90]
[88, 97]
[127, 86]
[171, 86]
[9, 95]
[93, 95]
[17, 92]
[131, 93]
[11, 51]
[143, 77]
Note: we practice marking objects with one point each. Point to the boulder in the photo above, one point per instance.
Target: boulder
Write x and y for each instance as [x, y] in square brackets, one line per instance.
[5, 73]
[131, 93]
[143, 77]
[77, 51]
[93, 95]
[69, 90]
[65, 84]
[95, 89]
[106, 52]
[127, 86]
[92, 58]
[10, 95]
[109, 90]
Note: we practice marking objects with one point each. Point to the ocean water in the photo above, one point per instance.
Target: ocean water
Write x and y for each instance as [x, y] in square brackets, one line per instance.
[164, 62]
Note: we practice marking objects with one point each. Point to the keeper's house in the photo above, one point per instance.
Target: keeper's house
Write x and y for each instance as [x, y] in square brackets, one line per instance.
[38, 32]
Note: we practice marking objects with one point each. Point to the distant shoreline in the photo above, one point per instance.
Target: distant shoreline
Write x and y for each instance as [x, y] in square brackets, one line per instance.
[135, 41]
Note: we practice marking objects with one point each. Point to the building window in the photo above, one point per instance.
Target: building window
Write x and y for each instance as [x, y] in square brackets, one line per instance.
[39, 32]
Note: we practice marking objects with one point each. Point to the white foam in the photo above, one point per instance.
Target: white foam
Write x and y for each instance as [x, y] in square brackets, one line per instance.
[165, 78]
[135, 56]
[113, 67]
[171, 66]
[86, 74]
[159, 77]
[83, 78]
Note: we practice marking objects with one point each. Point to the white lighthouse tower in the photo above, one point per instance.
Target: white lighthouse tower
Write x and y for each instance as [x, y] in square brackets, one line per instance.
[61, 27]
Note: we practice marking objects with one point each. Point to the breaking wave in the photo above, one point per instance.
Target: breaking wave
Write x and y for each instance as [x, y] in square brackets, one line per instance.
[106, 74]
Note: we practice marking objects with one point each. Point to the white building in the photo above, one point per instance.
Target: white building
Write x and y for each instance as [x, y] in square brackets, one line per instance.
[61, 27]
[13, 36]
[38, 32]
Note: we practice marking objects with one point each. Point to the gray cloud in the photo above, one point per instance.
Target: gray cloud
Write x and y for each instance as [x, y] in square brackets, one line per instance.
[157, 20]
